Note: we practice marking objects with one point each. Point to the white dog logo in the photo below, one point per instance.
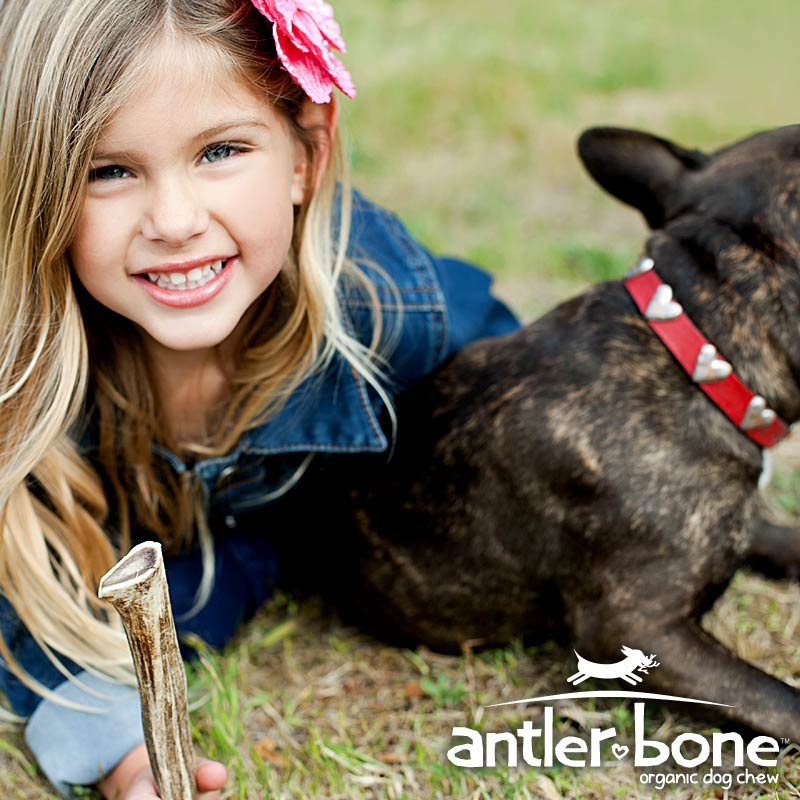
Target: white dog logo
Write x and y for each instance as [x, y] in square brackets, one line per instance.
[634, 660]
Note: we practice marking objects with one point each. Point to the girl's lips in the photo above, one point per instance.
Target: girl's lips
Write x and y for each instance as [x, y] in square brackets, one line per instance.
[188, 298]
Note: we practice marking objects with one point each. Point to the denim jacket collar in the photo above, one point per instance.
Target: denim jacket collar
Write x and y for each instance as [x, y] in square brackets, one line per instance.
[334, 413]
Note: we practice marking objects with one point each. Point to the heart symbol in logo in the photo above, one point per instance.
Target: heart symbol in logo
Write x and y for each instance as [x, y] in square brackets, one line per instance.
[662, 306]
[619, 751]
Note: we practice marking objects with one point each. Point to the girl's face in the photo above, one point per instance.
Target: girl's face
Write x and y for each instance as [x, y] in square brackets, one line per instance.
[189, 210]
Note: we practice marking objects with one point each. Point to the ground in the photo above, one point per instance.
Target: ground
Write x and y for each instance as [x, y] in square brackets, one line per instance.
[300, 706]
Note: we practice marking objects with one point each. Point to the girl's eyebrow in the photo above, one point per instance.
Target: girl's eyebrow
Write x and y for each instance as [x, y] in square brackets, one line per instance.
[238, 123]
[216, 130]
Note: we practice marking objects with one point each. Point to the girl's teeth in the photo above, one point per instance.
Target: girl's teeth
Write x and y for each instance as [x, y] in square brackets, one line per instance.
[181, 281]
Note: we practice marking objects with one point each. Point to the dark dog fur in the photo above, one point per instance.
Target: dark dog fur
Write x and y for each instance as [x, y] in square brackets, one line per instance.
[572, 472]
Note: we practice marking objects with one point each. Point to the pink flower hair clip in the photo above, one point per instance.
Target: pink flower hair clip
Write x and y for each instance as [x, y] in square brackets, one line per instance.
[305, 31]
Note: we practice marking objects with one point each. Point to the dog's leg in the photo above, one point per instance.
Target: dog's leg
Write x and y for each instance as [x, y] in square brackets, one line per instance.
[775, 549]
[695, 664]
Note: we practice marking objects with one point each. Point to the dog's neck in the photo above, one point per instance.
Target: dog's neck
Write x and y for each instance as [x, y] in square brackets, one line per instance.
[748, 324]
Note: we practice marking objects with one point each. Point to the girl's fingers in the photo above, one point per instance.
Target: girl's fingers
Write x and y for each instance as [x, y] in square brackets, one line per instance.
[210, 777]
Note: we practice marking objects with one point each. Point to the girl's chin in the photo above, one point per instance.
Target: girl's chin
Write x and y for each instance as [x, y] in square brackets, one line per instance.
[189, 342]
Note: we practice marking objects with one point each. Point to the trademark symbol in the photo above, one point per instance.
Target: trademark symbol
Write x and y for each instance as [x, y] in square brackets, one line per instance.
[785, 740]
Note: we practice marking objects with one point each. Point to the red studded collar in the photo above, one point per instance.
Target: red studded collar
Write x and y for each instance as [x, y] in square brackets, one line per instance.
[715, 376]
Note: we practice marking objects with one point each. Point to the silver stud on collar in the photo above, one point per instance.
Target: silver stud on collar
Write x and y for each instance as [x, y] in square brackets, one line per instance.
[708, 368]
[757, 414]
[661, 306]
[644, 264]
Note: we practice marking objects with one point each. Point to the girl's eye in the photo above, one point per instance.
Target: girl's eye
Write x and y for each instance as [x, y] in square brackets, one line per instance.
[220, 151]
[108, 173]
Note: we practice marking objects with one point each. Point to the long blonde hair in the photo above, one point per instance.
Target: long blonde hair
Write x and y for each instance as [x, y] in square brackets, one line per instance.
[67, 66]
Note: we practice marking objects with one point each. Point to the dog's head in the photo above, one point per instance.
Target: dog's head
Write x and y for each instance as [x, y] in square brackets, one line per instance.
[752, 188]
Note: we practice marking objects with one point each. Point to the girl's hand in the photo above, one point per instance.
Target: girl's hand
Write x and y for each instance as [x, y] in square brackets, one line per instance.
[132, 778]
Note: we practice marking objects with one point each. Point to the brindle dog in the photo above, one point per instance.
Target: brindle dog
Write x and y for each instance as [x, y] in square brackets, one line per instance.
[573, 472]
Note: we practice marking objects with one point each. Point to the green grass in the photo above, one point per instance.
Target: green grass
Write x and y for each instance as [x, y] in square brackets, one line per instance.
[465, 124]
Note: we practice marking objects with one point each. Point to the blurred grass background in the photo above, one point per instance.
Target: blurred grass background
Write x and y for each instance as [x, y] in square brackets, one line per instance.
[465, 125]
[468, 113]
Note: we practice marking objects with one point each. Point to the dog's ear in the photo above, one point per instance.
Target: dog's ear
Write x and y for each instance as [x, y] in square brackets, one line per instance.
[640, 169]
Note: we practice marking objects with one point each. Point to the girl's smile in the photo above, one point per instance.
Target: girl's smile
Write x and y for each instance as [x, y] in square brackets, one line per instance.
[189, 284]
[189, 208]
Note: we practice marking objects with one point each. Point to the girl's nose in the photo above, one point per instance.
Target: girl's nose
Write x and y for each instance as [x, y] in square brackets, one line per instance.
[174, 213]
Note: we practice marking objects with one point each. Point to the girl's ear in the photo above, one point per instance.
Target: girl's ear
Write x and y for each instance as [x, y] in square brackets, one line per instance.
[319, 120]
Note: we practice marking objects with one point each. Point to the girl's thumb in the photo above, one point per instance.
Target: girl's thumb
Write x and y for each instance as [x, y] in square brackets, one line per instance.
[210, 775]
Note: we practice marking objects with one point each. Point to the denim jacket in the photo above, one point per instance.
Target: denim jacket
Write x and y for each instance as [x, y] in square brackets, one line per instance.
[436, 306]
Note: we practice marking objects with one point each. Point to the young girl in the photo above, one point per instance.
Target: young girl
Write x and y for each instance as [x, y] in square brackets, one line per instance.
[196, 311]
